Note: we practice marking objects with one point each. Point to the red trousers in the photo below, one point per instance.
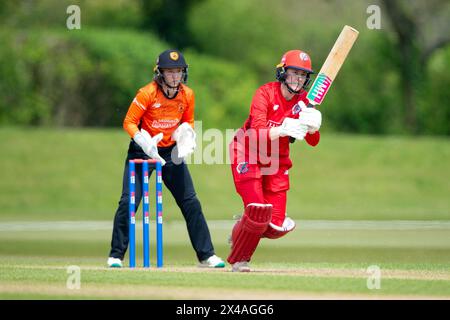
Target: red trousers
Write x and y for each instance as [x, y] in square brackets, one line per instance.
[253, 187]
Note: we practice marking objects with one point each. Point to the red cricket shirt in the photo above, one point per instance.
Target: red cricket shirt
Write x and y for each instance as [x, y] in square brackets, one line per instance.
[268, 109]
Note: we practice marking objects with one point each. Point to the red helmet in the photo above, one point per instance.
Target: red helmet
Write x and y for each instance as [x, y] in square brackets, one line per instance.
[294, 59]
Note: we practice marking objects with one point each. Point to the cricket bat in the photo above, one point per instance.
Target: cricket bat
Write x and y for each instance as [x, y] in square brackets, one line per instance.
[332, 64]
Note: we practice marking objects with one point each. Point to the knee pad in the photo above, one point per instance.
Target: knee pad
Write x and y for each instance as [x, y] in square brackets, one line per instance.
[274, 232]
[247, 232]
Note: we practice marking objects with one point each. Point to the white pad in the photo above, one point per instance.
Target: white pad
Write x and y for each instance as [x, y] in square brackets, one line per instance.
[288, 225]
[274, 232]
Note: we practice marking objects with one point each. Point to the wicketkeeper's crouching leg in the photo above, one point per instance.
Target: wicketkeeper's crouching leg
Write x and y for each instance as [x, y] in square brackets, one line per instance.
[247, 233]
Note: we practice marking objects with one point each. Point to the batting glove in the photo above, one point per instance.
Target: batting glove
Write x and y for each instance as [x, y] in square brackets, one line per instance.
[293, 128]
[312, 118]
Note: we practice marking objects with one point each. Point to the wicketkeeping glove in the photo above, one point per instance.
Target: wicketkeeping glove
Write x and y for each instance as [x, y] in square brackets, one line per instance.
[149, 144]
[185, 137]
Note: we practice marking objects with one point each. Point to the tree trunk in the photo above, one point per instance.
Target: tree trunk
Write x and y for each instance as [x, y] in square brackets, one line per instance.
[410, 67]
[412, 76]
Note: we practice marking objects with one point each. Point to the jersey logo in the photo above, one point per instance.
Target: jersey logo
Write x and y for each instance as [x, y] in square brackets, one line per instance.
[304, 56]
[156, 105]
[164, 123]
[296, 109]
[242, 167]
[275, 107]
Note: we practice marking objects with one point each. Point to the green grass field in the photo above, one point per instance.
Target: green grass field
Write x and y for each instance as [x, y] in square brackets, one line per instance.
[322, 259]
[76, 174]
[359, 201]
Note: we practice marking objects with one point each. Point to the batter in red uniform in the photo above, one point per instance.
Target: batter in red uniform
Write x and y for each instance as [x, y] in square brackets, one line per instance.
[260, 155]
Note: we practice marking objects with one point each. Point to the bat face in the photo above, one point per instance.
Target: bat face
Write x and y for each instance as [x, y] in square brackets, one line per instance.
[332, 64]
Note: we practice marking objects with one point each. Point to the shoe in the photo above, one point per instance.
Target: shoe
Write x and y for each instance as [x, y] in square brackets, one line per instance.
[241, 267]
[114, 262]
[212, 262]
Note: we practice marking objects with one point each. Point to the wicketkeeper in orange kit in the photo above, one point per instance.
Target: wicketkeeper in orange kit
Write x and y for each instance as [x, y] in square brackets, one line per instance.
[260, 155]
[160, 122]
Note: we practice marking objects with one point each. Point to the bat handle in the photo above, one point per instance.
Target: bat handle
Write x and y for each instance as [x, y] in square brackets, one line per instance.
[292, 140]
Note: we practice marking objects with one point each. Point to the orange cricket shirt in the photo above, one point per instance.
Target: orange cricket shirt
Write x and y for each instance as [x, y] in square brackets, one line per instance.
[152, 111]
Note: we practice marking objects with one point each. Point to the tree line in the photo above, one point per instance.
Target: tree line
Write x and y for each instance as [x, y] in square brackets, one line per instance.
[395, 79]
